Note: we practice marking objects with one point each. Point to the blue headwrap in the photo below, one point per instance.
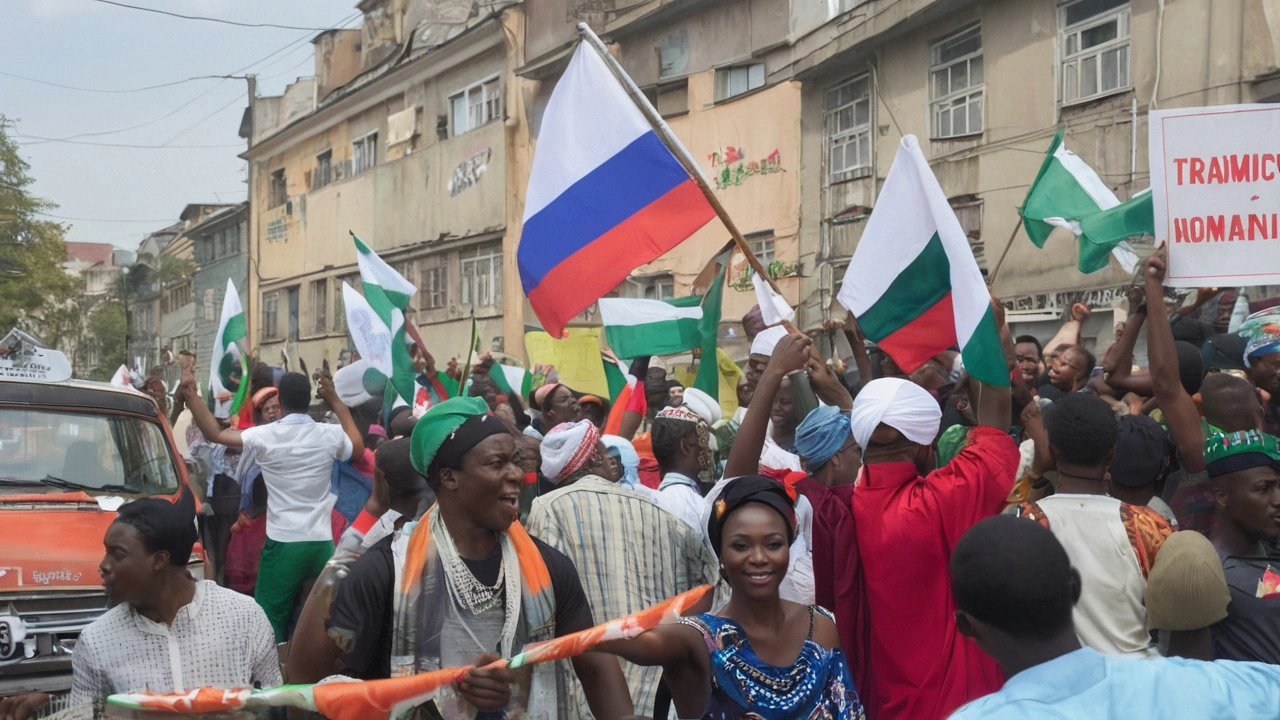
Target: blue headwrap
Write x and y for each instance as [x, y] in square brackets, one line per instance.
[630, 459]
[821, 435]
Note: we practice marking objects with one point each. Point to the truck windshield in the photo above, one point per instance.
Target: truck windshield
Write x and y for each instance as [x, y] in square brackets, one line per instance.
[55, 450]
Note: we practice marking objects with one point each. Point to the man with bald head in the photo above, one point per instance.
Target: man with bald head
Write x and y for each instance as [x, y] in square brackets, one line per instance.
[907, 519]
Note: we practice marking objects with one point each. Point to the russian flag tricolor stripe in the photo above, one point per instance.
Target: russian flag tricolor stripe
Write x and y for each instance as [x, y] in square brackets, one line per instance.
[605, 195]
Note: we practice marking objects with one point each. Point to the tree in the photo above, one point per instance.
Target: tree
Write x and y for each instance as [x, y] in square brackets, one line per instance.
[106, 330]
[36, 293]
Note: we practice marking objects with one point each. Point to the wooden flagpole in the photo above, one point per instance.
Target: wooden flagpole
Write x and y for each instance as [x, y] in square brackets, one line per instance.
[991, 280]
[676, 147]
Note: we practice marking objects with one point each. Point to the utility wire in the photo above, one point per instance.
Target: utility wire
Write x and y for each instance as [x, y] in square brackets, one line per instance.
[122, 145]
[113, 92]
[111, 220]
[210, 19]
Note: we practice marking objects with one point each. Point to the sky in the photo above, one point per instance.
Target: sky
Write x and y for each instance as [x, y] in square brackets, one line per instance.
[117, 195]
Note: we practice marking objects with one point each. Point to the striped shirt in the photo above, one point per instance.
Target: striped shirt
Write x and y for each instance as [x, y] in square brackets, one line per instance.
[630, 554]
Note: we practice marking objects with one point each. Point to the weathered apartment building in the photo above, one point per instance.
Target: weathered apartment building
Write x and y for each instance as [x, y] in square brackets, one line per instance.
[418, 130]
[984, 85]
[220, 254]
[402, 137]
[98, 265]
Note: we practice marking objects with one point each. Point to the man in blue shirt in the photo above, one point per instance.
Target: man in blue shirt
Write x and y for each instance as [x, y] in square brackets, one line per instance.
[1015, 588]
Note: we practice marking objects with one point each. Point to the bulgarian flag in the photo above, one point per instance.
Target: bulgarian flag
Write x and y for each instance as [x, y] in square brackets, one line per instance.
[913, 284]
[388, 295]
[1068, 194]
[229, 369]
[640, 328]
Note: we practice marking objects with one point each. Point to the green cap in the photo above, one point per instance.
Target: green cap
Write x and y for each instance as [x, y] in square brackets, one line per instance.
[435, 426]
[1230, 452]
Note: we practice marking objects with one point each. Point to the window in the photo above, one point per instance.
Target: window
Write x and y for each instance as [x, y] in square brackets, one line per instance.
[763, 248]
[364, 153]
[320, 305]
[279, 190]
[476, 105]
[956, 84]
[270, 315]
[204, 250]
[233, 239]
[846, 127]
[223, 248]
[323, 174]
[968, 209]
[482, 276]
[432, 286]
[340, 308]
[662, 287]
[670, 99]
[734, 81]
[1095, 48]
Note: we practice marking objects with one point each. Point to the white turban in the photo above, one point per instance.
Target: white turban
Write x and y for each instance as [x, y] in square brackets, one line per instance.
[702, 405]
[567, 447]
[767, 340]
[900, 404]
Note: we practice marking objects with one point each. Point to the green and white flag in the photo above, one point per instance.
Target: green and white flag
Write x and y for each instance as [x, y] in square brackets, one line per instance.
[913, 284]
[640, 328]
[372, 339]
[512, 380]
[1068, 194]
[388, 295]
[229, 367]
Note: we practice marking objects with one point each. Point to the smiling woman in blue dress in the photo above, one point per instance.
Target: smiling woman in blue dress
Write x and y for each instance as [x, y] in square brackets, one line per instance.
[760, 655]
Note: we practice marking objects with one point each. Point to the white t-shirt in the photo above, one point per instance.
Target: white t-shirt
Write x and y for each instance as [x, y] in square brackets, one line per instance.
[296, 456]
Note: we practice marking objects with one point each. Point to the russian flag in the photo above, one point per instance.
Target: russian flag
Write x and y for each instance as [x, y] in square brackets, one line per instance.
[605, 195]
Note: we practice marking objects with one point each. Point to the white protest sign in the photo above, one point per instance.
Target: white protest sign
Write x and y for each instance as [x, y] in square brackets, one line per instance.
[1215, 181]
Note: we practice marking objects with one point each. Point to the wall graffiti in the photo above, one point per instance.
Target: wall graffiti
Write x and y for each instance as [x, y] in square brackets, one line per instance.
[723, 161]
[1101, 298]
[468, 172]
[277, 230]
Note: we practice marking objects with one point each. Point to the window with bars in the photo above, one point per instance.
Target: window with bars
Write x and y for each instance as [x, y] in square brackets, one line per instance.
[279, 189]
[732, 81]
[364, 153]
[339, 307]
[270, 315]
[1094, 47]
[320, 305]
[433, 293]
[846, 128]
[481, 271]
[323, 174]
[475, 105]
[956, 84]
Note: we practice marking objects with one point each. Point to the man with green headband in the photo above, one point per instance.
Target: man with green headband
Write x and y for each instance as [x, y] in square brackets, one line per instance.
[1245, 471]
[470, 585]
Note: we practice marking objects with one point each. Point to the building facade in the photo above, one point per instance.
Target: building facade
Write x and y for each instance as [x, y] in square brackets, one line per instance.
[984, 86]
[418, 129]
[220, 253]
[98, 266]
[400, 138]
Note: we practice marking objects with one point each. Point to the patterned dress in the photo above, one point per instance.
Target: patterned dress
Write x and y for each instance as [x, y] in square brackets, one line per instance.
[816, 686]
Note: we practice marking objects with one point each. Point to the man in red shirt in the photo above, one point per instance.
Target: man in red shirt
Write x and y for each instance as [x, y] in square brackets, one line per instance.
[908, 518]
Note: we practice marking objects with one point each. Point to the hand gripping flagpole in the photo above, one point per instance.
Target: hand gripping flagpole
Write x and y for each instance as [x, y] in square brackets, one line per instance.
[676, 147]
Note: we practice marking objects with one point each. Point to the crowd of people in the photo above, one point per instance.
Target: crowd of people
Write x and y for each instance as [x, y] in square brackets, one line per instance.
[1092, 540]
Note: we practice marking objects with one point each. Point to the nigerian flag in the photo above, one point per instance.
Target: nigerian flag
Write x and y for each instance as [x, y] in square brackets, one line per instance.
[1068, 194]
[913, 284]
[229, 368]
[388, 295]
